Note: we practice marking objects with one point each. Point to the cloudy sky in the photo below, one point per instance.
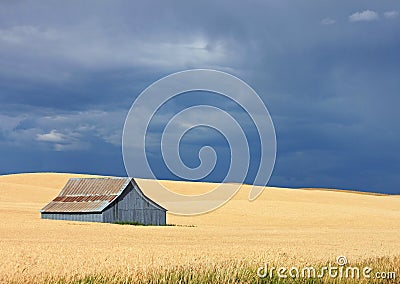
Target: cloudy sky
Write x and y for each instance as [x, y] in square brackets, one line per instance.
[328, 72]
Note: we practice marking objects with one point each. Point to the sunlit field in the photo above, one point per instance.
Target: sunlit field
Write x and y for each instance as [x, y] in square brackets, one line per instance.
[283, 227]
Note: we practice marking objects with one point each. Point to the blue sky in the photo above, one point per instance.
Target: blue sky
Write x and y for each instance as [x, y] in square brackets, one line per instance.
[328, 72]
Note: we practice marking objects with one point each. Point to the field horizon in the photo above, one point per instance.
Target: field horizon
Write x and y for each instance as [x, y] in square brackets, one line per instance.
[284, 226]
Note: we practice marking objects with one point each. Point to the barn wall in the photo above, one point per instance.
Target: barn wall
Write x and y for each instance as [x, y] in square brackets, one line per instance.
[131, 206]
[83, 217]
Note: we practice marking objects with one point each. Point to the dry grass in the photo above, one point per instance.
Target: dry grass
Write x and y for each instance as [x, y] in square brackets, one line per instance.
[284, 226]
[220, 272]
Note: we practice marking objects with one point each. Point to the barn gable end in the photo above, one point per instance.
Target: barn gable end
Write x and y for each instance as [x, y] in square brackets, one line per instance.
[107, 200]
[133, 206]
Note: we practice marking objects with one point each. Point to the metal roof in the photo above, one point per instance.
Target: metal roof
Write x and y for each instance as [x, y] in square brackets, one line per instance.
[87, 195]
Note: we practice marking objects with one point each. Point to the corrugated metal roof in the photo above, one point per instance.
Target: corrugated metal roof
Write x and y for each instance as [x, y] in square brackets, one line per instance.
[93, 186]
[73, 207]
[87, 195]
[85, 198]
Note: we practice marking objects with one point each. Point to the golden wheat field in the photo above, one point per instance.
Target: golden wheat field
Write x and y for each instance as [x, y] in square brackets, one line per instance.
[283, 226]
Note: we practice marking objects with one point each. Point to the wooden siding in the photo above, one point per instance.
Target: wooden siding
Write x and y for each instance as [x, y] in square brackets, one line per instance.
[83, 217]
[132, 206]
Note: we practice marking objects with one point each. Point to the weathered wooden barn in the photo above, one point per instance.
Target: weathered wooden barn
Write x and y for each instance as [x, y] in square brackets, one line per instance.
[107, 200]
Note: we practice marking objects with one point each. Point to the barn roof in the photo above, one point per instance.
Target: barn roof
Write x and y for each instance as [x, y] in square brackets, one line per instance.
[89, 195]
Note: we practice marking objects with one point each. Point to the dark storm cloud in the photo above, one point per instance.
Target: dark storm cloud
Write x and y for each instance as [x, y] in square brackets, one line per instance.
[328, 72]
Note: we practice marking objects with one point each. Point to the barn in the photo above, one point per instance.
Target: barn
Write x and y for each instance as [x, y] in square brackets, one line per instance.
[107, 200]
